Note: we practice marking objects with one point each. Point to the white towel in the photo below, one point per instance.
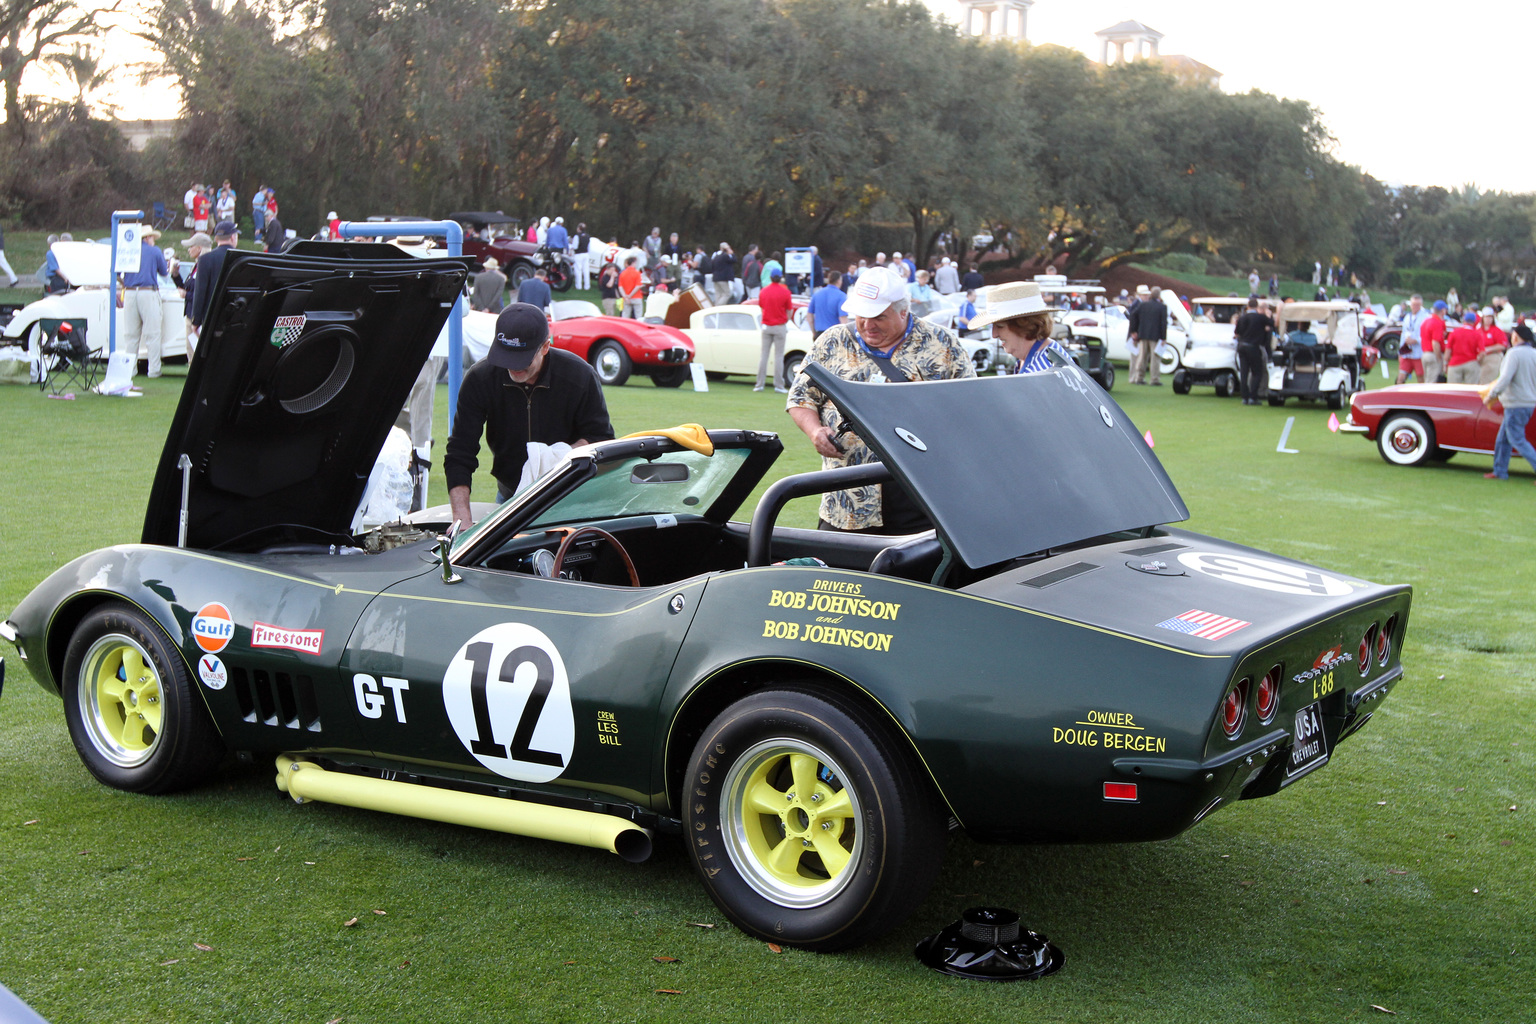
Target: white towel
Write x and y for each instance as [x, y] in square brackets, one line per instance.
[541, 459]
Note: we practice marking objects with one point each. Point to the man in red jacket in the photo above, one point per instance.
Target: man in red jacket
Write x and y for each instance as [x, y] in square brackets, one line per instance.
[776, 302]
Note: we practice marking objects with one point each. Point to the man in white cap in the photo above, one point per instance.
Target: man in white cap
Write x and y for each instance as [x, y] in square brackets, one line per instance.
[882, 342]
[1022, 324]
[140, 301]
[947, 279]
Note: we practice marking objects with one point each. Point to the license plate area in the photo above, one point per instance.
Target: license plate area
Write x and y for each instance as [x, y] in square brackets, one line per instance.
[1309, 746]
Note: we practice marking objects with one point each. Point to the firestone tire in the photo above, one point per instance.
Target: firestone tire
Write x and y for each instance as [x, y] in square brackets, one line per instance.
[1406, 439]
[133, 714]
[611, 362]
[808, 824]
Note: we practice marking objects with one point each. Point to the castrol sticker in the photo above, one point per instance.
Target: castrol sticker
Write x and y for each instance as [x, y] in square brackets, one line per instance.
[305, 641]
[212, 627]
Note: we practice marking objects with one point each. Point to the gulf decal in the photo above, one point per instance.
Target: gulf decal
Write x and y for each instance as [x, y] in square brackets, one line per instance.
[305, 641]
[212, 627]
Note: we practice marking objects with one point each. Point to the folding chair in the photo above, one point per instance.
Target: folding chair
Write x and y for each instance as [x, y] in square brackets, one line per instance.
[163, 217]
[65, 359]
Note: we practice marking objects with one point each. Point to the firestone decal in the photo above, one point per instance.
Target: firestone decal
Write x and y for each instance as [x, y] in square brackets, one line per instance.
[212, 627]
[305, 641]
[1264, 574]
[509, 700]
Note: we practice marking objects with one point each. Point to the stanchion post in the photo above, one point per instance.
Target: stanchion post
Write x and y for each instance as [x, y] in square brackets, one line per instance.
[454, 233]
[118, 216]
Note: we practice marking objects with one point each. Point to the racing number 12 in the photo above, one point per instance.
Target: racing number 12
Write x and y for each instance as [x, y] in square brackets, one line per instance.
[484, 742]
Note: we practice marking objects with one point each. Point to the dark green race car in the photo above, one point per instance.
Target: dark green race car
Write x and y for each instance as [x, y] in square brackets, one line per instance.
[609, 656]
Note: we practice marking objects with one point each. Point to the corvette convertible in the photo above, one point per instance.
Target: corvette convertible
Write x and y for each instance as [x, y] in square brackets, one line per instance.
[611, 657]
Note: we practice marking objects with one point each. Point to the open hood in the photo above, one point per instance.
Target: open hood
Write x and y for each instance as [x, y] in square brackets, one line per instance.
[305, 361]
[1008, 466]
[84, 264]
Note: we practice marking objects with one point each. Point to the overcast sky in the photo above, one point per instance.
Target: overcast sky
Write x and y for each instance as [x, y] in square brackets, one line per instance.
[1388, 78]
[1438, 95]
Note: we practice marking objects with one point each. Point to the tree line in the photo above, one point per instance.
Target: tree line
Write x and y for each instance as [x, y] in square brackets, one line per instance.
[845, 123]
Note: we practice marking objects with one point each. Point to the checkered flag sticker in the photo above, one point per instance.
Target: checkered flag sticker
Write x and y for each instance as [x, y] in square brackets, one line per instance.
[286, 330]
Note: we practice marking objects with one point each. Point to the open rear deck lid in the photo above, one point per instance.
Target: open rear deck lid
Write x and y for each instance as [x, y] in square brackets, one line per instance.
[1007, 466]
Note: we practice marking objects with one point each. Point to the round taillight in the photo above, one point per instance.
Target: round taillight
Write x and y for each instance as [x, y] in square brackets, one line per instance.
[1384, 641]
[1367, 649]
[1266, 698]
[1234, 707]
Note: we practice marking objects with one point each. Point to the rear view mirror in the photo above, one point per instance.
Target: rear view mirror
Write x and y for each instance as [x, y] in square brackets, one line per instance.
[659, 473]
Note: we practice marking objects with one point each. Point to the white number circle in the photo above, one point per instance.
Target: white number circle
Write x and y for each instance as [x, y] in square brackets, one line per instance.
[509, 700]
[1279, 577]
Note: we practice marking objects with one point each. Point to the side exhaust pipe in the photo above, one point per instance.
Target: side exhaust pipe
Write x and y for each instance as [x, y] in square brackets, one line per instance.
[305, 780]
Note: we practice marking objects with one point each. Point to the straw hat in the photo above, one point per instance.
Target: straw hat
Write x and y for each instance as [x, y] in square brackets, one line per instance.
[1006, 301]
[490, 263]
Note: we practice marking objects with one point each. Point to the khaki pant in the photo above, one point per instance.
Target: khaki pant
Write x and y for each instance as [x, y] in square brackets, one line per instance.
[141, 322]
[1434, 365]
[722, 293]
[1463, 373]
[773, 342]
[1144, 360]
[1488, 366]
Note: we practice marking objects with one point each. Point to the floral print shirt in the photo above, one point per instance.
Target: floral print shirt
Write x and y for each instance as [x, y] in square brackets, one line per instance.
[928, 353]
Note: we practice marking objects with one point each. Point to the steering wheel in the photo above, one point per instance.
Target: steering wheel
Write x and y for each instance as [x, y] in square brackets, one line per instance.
[570, 537]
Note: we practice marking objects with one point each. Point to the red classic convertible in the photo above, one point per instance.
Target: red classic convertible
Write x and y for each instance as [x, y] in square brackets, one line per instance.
[617, 347]
[1417, 423]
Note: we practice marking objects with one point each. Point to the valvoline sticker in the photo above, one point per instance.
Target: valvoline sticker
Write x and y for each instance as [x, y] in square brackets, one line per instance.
[212, 627]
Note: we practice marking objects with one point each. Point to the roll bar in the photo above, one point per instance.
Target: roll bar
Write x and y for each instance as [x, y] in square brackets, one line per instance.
[760, 536]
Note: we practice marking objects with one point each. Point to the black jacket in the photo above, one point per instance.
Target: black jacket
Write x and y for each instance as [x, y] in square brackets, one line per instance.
[204, 276]
[1150, 322]
[565, 404]
[723, 266]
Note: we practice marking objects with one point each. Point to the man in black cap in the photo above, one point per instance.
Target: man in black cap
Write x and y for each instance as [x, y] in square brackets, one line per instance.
[522, 391]
[206, 271]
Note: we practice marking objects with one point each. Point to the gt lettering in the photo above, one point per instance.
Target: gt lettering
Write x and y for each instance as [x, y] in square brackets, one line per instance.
[371, 699]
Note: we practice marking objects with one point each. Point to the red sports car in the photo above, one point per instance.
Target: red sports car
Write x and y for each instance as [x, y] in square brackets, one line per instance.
[1417, 423]
[617, 347]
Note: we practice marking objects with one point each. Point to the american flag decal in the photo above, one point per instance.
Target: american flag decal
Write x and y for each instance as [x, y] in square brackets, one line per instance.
[1203, 624]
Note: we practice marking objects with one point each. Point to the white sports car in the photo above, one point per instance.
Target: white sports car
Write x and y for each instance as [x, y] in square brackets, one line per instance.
[87, 265]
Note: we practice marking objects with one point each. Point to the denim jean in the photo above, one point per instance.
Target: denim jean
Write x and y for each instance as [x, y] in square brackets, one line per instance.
[1512, 436]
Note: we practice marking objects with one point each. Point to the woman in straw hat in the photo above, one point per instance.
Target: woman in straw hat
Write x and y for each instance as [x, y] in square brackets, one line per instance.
[1021, 322]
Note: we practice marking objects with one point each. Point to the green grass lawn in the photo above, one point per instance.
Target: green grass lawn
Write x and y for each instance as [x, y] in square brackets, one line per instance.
[1401, 876]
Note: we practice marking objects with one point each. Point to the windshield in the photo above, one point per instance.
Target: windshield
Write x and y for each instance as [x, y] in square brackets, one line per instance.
[677, 483]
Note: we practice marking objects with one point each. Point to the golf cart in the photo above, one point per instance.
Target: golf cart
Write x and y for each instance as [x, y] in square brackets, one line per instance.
[1319, 353]
[1210, 353]
[1088, 350]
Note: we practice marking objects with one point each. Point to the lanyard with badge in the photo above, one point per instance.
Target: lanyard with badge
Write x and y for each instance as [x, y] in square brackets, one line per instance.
[890, 369]
[887, 366]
